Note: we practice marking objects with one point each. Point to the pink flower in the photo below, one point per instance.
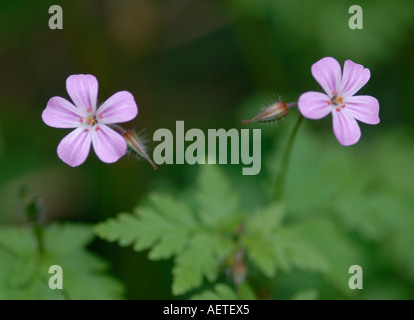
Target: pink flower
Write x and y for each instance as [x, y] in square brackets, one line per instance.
[339, 99]
[90, 123]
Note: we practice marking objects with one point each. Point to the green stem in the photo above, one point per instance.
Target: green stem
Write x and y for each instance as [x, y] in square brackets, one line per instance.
[281, 177]
[32, 211]
[38, 232]
[239, 269]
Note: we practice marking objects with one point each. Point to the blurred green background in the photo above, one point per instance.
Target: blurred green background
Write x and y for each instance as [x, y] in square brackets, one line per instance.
[211, 64]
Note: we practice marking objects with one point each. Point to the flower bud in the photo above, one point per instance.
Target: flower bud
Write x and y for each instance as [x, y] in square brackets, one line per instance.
[239, 268]
[275, 111]
[136, 146]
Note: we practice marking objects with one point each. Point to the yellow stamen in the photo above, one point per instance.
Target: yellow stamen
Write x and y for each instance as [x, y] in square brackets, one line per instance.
[91, 121]
[339, 100]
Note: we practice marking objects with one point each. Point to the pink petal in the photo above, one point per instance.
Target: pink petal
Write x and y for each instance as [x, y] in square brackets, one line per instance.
[363, 108]
[314, 105]
[74, 148]
[60, 113]
[108, 144]
[83, 90]
[327, 72]
[120, 107]
[355, 76]
[345, 127]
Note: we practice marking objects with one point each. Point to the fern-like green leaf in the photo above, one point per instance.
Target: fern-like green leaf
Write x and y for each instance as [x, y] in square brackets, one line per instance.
[199, 259]
[271, 247]
[164, 227]
[24, 272]
[217, 201]
[199, 241]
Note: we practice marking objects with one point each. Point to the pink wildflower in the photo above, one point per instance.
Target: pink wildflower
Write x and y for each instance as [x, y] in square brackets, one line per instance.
[339, 98]
[90, 123]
